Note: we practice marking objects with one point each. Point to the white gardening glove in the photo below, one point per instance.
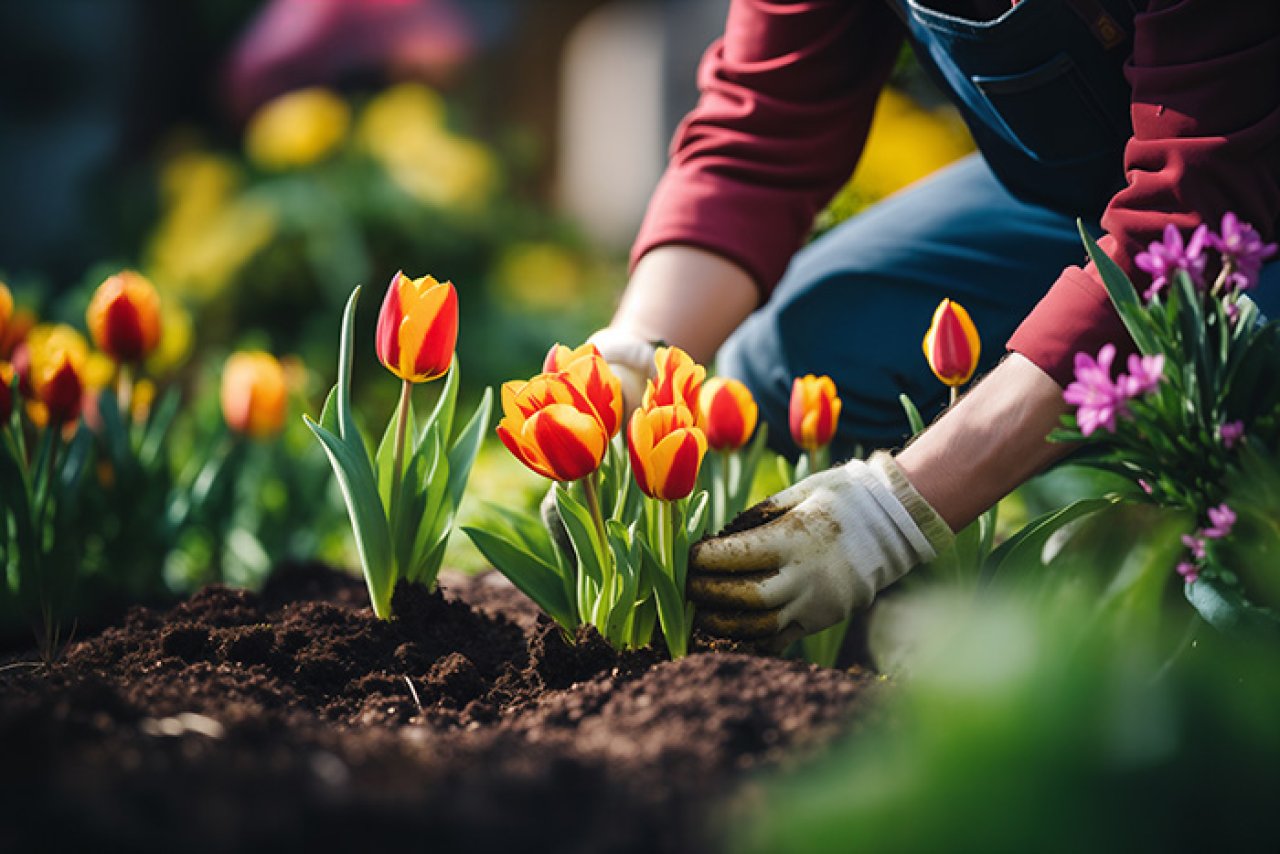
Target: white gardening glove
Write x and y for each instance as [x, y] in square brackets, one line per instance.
[806, 558]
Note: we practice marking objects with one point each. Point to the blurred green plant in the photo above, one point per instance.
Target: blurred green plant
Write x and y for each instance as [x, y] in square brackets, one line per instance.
[1025, 724]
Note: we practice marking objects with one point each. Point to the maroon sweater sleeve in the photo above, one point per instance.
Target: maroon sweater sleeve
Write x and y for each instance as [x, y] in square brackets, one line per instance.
[1206, 140]
[787, 97]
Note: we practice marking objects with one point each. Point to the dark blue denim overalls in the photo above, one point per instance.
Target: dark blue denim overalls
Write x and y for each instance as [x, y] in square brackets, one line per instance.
[1043, 91]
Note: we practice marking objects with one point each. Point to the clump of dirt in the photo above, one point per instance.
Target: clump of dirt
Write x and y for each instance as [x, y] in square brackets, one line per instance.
[294, 719]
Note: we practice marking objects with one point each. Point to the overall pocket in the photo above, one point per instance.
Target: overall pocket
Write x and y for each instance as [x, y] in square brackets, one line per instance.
[1050, 112]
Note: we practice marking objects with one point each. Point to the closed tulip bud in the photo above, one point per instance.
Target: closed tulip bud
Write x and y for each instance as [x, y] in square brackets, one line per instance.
[666, 450]
[124, 317]
[727, 413]
[591, 376]
[6, 393]
[678, 380]
[6, 309]
[56, 377]
[952, 345]
[560, 357]
[418, 328]
[551, 427]
[254, 394]
[815, 411]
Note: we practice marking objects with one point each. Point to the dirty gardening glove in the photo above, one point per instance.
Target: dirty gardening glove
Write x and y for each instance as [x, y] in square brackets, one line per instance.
[630, 357]
[809, 556]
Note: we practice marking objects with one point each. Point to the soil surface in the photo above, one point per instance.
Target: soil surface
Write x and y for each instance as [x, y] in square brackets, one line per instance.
[294, 720]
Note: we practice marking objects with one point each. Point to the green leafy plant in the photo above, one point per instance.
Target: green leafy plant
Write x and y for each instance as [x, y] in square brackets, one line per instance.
[401, 519]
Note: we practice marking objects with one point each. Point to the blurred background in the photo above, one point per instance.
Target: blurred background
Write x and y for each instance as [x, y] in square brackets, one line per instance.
[256, 159]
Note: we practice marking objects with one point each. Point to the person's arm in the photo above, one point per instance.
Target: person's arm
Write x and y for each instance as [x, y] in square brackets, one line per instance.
[786, 100]
[1206, 126]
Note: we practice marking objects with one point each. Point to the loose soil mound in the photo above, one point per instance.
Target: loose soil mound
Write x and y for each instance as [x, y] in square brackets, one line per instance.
[292, 719]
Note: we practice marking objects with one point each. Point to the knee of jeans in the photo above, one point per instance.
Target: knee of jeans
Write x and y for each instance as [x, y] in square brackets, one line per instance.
[750, 356]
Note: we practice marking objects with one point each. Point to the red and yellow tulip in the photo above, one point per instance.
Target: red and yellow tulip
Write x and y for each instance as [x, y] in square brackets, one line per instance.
[727, 413]
[815, 410]
[124, 317]
[254, 394]
[550, 426]
[952, 345]
[58, 385]
[560, 357]
[666, 451]
[678, 380]
[418, 328]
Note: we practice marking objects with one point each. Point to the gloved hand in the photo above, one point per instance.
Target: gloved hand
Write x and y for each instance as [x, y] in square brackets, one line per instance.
[806, 558]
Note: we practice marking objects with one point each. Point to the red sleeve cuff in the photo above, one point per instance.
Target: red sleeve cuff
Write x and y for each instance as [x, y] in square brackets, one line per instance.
[1076, 315]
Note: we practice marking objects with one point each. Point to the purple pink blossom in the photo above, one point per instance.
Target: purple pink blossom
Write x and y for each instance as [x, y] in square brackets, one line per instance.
[1098, 399]
[1166, 257]
[1189, 571]
[1221, 520]
[1243, 252]
[1230, 433]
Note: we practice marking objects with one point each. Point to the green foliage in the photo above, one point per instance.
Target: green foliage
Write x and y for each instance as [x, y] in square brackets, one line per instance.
[727, 477]
[1035, 725]
[401, 524]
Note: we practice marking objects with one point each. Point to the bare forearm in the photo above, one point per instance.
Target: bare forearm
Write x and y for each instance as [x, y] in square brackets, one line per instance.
[989, 443]
[687, 297]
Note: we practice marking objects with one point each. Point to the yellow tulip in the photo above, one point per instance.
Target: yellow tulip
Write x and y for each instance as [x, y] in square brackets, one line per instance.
[727, 413]
[814, 412]
[666, 451]
[550, 426]
[297, 129]
[678, 381]
[418, 328]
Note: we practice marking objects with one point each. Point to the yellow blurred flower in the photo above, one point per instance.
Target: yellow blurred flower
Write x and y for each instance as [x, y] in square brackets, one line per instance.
[539, 276]
[176, 340]
[403, 129]
[297, 129]
[207, 231]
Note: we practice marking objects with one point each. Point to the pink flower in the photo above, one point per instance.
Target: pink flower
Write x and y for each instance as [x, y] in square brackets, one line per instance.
[1230, 433]
[1146, 487]
[1145, 373]
[1166, 257]
[1243, 251]
[1221, 520]
[1093, 392]
[1195, 545]
[1189, 571]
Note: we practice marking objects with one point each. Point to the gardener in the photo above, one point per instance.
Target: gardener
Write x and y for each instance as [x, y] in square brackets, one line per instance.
[1129, 118]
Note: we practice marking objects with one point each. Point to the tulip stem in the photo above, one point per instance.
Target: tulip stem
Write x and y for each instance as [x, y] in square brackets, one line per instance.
[955, 395]
[593, 504]
[397, 460]
[124, 393]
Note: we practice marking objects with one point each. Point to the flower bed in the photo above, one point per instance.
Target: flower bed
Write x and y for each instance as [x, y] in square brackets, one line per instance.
[295, 719]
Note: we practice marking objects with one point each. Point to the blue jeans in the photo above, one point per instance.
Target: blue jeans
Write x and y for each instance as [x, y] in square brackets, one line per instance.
[855, 303]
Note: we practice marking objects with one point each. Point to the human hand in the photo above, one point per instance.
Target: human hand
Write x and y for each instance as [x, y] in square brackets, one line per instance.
[806, 558]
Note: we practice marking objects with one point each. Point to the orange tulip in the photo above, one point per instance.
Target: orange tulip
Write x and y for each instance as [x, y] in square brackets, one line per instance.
[20, 324]
[666, 451]
[254, 394]
[124, 317]
[952, 345]
[6, 393]
[678, 380]
[6, 309]
[727, 413]
[815, 410]
[550, 426]
[418, 328]
[560, 357]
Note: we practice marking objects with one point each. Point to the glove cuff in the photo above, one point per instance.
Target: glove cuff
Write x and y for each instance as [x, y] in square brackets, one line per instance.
[932, 526]
[620, 347]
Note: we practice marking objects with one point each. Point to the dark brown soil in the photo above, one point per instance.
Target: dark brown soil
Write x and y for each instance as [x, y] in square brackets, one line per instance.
[292, 720]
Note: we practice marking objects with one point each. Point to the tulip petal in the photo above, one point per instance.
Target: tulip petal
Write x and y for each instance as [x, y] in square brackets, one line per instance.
[572, 442]
[430, 331]
[387, 337]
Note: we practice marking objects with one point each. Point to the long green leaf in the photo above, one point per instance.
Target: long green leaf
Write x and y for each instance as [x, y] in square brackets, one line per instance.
[384, 459]
[368, 523]
[673, 616]
[1025, 548]
[531, 575]
[1121, 291]
[582, 533]
[1225, 610]
[463, 453]
[442, 412]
